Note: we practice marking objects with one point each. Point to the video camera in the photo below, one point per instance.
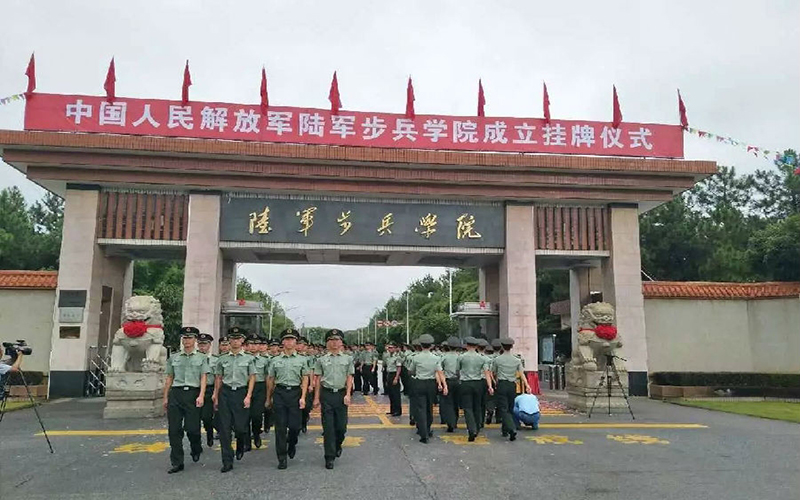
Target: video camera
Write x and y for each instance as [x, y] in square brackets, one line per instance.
[14, 348]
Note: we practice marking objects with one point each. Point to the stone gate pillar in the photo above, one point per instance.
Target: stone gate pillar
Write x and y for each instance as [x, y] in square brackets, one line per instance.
[622, 287]
[518, 283]
[202, 285]
[89, 285]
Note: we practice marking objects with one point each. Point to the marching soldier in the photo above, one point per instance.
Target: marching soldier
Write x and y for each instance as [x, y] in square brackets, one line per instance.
[493, 350]
[394, 369]
[224, 345]
[304, 351]
[184, 394]
[207, 413]
[257, 405]
[274, 350]
[472, 368]
[507, 368]
[428, 377]
[287, 386]
[333, 378]
[233, 393]
[369, 365]
[448, 404]
[357, 367]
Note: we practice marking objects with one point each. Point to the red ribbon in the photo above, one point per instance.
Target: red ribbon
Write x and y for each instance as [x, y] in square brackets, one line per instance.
[135, 329]
[606, 332]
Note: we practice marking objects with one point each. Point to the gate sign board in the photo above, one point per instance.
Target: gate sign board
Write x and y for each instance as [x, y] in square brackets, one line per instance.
[281, 124]
[362, 222]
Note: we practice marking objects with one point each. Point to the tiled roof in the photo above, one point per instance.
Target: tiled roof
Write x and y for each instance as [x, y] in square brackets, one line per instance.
[718, 291]
[705, 290]
[41, 280]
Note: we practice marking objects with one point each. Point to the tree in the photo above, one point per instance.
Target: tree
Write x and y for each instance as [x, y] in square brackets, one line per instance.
[30, 237]
[774, 252]
[777, 192]
[163, 279]
[245, 291]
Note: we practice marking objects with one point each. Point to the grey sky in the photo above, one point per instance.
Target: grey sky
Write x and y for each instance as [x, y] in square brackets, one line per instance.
[736, 63]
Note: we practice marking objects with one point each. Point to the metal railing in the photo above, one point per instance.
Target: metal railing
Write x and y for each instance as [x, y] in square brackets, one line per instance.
[553, 377]
[98, 367]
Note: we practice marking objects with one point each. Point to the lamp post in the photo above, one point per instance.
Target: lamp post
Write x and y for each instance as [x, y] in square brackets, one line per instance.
[450, 282]
[272, 309]
[408, 327]
[283, 323]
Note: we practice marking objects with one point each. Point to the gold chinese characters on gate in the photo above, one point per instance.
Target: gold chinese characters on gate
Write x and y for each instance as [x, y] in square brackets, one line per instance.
[465, 224]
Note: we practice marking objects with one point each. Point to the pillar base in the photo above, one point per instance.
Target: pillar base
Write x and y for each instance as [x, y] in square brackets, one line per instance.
[582, 386]
[134, 395]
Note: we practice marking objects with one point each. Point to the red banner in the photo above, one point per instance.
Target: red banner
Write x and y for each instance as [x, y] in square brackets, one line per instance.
[244, 122]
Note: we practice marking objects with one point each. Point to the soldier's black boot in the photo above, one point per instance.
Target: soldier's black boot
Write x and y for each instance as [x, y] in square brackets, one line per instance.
[282, 463]
[257, 440]
[489, 415]
[471, 437]
[226, 468]
[175, 468]
[209, 437]
[239, 449]
[292, 450]
[329, 464]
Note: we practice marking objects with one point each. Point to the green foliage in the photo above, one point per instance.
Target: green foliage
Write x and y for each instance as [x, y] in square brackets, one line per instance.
[774, 252]
[163, 279]
[727, 228]
[30, 237]
[244, 290]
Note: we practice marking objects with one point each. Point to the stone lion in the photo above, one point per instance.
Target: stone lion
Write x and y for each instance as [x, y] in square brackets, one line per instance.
[139, 344]
[597, 335]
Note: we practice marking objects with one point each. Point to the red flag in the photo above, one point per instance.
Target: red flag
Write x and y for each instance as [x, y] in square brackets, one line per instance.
[481, 99]
[682, 111]
[410, 100]
[546, 104]
[333, 96]
[617, 112]
[264, 95]
[111, 82]
[187, 82]
[31, 74]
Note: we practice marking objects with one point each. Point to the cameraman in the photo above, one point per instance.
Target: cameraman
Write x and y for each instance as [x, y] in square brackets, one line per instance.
[14, 367]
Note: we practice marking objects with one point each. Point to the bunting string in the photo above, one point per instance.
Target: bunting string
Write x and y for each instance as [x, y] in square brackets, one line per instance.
[11, 98]
[770, 154]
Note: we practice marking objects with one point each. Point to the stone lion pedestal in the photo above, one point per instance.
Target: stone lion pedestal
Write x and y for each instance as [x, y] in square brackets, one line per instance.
[134, 395]
[582, 386]
[597, 339]
[135, 379]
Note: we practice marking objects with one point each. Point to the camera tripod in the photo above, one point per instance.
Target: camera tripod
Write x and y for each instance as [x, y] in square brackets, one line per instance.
[4, 394]
[610, 374]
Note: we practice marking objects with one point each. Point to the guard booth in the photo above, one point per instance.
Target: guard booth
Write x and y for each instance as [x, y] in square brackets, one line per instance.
[477, 319]
[246, 314]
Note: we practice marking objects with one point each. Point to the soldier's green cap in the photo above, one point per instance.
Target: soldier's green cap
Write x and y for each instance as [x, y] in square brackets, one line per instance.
[415, 342]
[471, 340]
[250, 339]
[507, 342]
[496, 343]
[302, 340]
[224, 339]
[425, 339]
[290, 333]
[205, 337]
[483, 342]
[189, 331]
[454, 342]
[274, 342]
[333, 334]
[235, 331]
[488, 349]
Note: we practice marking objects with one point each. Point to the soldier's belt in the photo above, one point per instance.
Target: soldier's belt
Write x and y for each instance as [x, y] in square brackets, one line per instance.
[184, 387]
[287, 387]
[333, 390]
[234, 388]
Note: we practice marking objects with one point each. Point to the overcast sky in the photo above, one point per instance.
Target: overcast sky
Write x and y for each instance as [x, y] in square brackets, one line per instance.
[736, 63]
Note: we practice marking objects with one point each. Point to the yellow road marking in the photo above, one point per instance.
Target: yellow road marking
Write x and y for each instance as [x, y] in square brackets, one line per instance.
[157, 447]
[552, 439]
[158, 432]
[349, 441]
[461, 439]
[380, 414]
[636, 439]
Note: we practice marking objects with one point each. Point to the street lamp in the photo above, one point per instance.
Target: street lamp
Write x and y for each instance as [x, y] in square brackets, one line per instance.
[272, 309]
[408, 331]
[283, 324]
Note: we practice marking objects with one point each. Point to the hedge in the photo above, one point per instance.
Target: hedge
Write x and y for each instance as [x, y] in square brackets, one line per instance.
[727, 379]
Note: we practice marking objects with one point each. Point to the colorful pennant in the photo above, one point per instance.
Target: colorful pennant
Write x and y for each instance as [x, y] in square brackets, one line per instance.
[756, 150]
[15, 97]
